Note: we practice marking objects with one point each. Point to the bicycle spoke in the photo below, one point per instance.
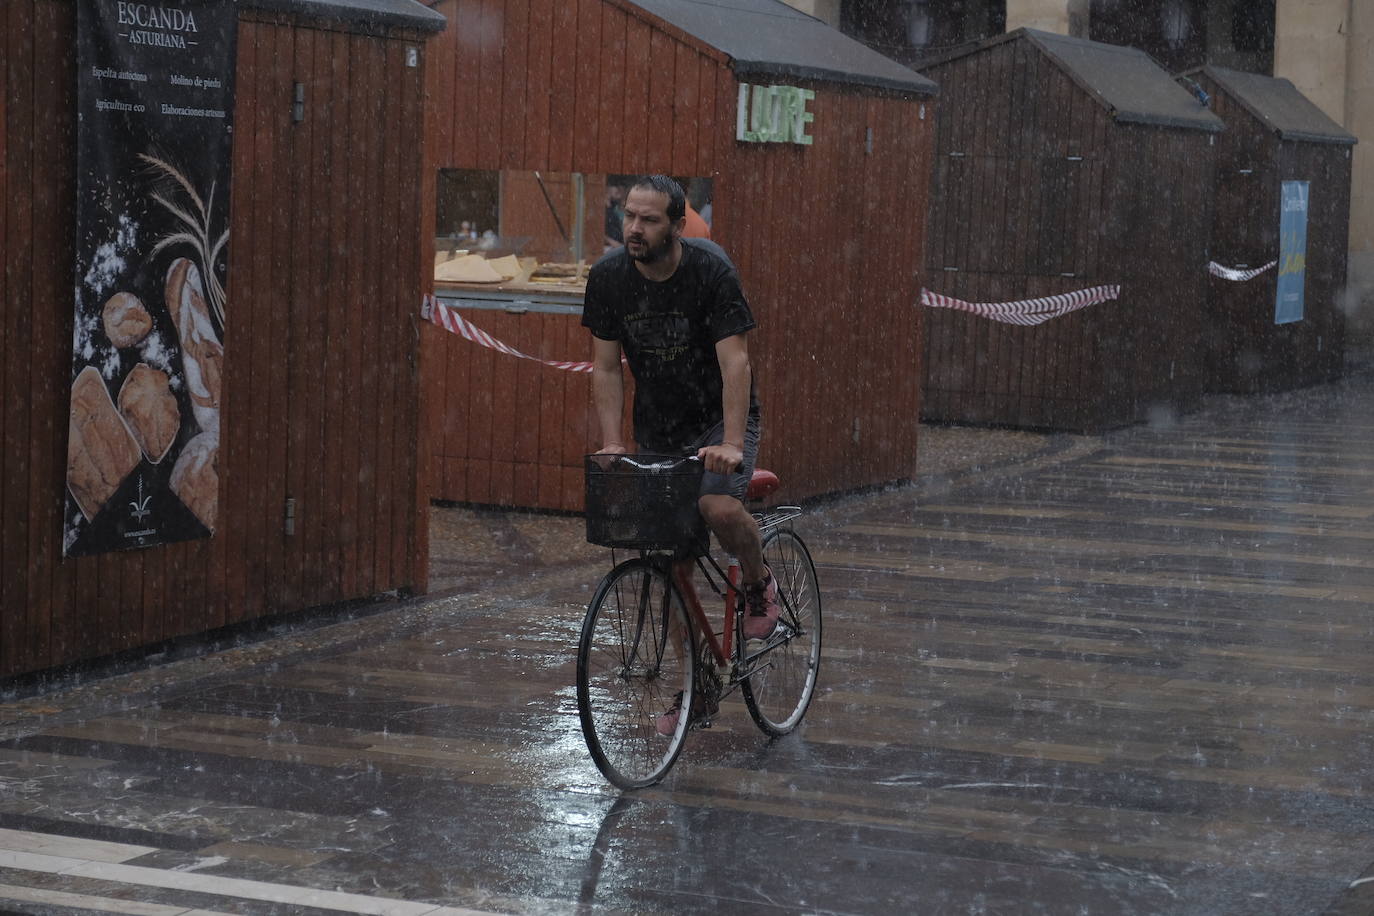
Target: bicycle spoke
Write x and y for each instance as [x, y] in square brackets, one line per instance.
[779, 686]
[631, 665]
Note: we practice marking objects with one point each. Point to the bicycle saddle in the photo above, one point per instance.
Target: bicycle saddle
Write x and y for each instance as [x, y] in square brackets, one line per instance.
[762, 484]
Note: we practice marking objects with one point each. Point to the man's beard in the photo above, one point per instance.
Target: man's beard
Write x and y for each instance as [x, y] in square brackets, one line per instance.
[652, 253]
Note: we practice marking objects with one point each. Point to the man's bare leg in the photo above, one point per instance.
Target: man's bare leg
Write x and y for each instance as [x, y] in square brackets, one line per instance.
[738, 533]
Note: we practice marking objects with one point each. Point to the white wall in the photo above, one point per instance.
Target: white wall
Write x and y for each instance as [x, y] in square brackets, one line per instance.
[1310, 49]
[1046, 15]
[826, 10]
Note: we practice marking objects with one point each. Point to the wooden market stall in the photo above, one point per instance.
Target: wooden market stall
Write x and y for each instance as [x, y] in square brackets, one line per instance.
[540, 108]
[318, 497]
[1065, 165]
[1274, 135]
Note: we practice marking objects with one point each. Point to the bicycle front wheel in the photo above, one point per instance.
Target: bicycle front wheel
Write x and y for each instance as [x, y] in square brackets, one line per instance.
[783, 676]
[634, 661]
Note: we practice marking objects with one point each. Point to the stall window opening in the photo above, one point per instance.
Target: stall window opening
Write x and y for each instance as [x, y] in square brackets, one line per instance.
[523, 234]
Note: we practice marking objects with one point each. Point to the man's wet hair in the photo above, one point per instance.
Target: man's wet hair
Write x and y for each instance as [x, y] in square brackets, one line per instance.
[677, 199]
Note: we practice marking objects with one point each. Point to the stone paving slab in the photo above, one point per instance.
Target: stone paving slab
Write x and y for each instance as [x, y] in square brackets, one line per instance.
[1122, 674]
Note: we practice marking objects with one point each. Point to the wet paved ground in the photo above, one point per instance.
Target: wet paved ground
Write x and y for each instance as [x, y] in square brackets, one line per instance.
[1061, 675]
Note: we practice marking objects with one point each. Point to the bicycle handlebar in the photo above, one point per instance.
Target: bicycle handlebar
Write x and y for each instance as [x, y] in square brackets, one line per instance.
[630, 458]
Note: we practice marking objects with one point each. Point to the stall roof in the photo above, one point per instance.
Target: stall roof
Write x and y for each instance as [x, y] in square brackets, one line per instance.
[1278, 103]
[1126, 81]
[407, 14]
[770, 38]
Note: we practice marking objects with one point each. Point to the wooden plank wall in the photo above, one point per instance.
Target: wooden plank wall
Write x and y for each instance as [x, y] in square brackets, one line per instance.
[830, 253]
[1010, 214]
[827, 238]
[321, 387]
[1032, 188]
[1247, 351]
[37, 321]
[1328, 225]
[1160, 189]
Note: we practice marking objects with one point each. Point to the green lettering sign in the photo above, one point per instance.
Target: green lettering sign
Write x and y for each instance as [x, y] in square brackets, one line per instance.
[773, 114]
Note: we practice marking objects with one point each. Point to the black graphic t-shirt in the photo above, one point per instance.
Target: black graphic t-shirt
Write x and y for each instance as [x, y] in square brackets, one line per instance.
[669, 333]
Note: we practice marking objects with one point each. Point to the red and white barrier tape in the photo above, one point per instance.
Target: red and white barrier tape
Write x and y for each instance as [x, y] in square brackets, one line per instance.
[1025, 311]
[1231, 273]
[447, 318]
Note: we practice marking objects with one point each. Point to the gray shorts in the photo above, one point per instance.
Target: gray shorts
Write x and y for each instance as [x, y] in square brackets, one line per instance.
[730, 484]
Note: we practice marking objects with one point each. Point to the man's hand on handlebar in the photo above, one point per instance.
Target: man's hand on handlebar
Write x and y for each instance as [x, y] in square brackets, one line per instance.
[721, 459]
[613, 448]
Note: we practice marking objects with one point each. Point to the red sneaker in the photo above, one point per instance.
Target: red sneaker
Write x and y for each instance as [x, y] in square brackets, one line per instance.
[761, 609]
[667, 723]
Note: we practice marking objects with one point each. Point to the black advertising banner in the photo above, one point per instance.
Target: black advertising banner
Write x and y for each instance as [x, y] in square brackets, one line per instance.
[155, 98]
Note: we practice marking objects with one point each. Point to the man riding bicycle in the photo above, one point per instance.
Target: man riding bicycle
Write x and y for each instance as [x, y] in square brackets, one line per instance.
[676, 309]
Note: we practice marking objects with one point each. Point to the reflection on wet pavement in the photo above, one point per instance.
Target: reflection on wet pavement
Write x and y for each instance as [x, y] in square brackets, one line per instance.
[1118, 675]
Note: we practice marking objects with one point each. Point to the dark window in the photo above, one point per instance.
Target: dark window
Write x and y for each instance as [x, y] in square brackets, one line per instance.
[907, 30]
[469, 203]
[1173, 32]
[1252, 26]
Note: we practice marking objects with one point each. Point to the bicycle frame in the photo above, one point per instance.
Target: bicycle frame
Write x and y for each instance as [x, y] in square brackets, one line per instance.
[730, 577]
[682, 578]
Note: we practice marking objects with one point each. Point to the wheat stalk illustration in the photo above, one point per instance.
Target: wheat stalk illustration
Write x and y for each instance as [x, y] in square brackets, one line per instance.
[196, 232]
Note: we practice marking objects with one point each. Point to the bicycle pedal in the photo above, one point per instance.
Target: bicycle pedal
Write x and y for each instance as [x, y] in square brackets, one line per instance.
[782, 634]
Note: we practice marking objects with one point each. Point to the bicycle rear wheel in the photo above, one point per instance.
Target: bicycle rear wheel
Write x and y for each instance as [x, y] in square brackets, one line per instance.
[634, 658]
[783, 675]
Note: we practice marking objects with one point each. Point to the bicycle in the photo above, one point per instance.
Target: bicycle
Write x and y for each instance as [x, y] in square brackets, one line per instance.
[638, 649]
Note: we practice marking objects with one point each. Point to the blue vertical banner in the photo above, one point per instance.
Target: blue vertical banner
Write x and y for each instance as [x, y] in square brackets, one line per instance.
[1292, 253]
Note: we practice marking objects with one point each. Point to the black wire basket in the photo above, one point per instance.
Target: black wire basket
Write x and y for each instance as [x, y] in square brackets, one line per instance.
[644, 502]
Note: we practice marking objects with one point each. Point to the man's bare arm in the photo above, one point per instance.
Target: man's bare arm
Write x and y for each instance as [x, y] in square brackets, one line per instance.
[608, 393]
[736, 377]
